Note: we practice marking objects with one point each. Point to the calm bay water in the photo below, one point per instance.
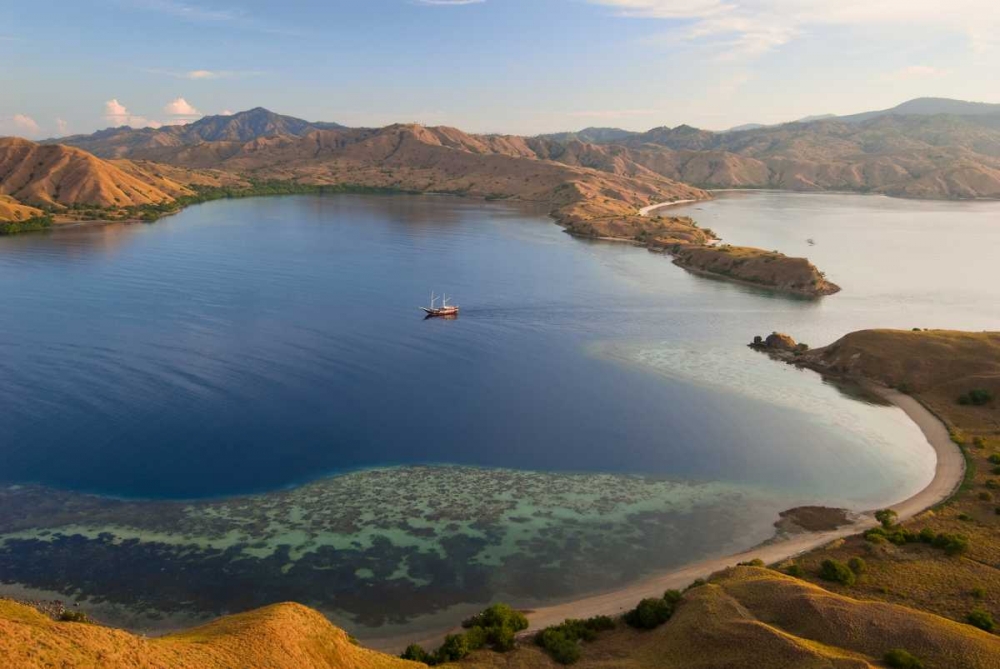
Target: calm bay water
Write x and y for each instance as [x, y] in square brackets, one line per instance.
[249, 346]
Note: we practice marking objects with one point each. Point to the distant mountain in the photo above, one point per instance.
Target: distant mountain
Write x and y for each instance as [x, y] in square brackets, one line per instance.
[928, 107]
[746, 126]
[240, 127]
[591, 135]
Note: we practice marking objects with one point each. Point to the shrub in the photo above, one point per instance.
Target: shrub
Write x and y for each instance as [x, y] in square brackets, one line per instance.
[992, 484]
[979, 442]
[953, 544]
[901, 659]
[560, 648]
[794, 570]
[887, 517]
[696, 583]
[561, 641]
[976, 397]
[756, 562]
[68, 616]
[985, 496]
[416, 653]
[979, 593]
[832, 570]
[965, 516]
[982, 619]
[927, 535]
[857, 565]
[454, 648]
[995, 458]
[649, 614]
[995, 470]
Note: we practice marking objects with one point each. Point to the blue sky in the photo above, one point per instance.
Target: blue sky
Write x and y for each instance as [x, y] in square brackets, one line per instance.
[519, 66]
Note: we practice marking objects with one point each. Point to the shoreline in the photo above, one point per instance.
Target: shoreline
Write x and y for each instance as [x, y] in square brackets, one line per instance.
[949, 472]
[645, 211]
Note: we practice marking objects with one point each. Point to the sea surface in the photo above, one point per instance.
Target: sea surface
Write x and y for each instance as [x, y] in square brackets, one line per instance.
[242, 403]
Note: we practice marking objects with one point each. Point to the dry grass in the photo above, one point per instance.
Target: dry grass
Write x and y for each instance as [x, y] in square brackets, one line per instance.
[276, 637]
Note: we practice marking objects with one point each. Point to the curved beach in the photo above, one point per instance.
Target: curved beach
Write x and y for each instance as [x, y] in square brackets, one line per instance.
[948, 475]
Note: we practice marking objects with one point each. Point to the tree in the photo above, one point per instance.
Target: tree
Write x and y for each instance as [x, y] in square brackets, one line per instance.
[982, 619]
[416, 653]
[901, 659]
[454, 648]
[650, 613]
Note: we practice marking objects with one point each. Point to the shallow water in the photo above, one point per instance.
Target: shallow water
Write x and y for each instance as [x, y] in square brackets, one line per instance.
[254, 345]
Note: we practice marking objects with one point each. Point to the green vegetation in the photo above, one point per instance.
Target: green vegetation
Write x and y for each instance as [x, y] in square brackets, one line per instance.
[901, 659]
[494, 628]
[561, 642]
[887, 517]
[834, 570]
[857, 565]
[976, 397]
[653, 612]
[952, 544]
[982, 619]
[68, 616]
[29, 224]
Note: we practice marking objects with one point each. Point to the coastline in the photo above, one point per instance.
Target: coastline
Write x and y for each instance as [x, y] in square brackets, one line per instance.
[948, 475]
[645, 211]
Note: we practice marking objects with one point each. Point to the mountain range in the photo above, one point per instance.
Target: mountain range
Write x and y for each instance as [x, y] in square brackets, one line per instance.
[926, 148]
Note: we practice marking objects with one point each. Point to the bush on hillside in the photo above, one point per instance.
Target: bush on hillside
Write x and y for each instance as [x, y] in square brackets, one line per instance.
[901, 659]
[982, 619]
[857, 565]
[887, 517]
[833, 570]
[976, 397]
[68, 616]
[561, 642]
[416, 653]
[649, 614]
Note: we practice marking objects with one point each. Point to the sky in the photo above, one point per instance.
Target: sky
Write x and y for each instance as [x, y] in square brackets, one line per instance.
[512, 66]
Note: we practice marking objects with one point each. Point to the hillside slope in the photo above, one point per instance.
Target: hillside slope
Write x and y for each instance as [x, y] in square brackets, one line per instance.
[276, 637]
[755, 617]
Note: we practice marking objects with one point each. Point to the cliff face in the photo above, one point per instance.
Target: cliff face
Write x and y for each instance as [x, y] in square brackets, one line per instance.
[767, 269]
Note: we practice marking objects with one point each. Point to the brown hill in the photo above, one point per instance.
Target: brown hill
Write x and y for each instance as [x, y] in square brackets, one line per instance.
[938, 365]
[937, 156]
[38, 174]
[276, 637]
[754, 617]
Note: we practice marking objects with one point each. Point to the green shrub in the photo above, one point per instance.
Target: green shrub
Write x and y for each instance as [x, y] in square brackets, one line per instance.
[982, 619]
[696, 583]
[985, 496]
[995, 458]
[857, 565]
[756, 562]
[927, 535]
[794, 570]
[979, 442]
[649, 614]
[561, 642]
[953, 544]
[454, 648]
[993, 484]
[976, 397]
[68, 616]
[416, 653]
[559, 647]
[979, 593]
[965, 516]
[887, 517]
[833, 570]
[901, 659]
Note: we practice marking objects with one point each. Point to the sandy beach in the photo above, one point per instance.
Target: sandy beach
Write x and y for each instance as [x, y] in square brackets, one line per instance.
[948, 475]
[645, 211]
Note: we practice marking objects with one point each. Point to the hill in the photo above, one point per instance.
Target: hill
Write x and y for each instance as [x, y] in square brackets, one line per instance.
[71, 183]
[929, 107]
[275, 637]
[240, 127]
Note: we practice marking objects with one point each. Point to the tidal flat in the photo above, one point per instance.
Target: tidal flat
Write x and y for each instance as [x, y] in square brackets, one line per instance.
[373, 547]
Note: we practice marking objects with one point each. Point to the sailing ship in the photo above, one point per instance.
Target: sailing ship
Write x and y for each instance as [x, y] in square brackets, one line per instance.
[444, 310]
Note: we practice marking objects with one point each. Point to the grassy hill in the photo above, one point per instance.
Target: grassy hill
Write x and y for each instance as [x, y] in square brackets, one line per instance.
[276, 637]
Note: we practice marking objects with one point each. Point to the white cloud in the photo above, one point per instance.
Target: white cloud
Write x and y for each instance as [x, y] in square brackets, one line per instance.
[116, 114]
[748, 28]
[181, 107]
[447, 3]
[19, 125]
[26, 124]
[62, 127]
[226, 112]
[202, 74]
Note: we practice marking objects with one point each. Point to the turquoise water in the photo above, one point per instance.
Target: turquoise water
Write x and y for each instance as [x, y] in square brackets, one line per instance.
[246, 348]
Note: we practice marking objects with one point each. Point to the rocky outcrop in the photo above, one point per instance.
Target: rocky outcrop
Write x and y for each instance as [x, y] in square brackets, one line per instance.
[757, 267]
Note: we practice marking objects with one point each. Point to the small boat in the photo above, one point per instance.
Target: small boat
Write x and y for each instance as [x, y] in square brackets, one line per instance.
[444, 310]
[811, 242]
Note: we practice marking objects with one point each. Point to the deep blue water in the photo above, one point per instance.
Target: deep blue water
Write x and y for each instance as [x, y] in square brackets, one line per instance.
[253, 344]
